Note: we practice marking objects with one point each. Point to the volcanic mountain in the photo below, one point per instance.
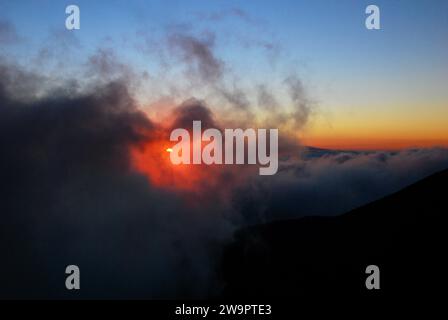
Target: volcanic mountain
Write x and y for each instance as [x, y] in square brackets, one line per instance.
[318, 257]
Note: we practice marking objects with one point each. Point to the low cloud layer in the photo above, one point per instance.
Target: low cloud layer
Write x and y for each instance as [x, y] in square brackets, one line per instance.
[331, 183]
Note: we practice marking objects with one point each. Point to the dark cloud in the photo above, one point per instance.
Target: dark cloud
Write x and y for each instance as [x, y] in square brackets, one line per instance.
[203, 66]
[105, 65]
[70, 195]
[20, 85]
[302, 105]
[193, 110]
[225, 14]
[266, 100]
[198, 55]
[217, 16]
[58, 49]
[236, 97]
[8, 33]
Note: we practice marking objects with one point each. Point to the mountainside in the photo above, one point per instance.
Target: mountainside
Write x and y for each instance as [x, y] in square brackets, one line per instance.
[317, 257]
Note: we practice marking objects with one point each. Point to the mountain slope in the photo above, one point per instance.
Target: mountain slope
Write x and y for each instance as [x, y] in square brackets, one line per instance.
[327, 256]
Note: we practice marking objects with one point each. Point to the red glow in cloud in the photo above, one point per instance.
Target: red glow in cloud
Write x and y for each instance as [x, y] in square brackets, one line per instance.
[153, 160]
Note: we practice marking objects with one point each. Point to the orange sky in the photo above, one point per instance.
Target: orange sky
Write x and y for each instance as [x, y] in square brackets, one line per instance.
[352, 143]
[383, 128]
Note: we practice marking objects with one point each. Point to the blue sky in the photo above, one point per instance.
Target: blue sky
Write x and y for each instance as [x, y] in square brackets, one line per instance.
[348, 69]
[327, 36]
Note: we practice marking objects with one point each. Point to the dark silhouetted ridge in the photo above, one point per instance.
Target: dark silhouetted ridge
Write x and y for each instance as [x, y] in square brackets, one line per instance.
[327, 256]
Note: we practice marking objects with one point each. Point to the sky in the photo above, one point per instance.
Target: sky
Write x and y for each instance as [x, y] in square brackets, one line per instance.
[371, 89]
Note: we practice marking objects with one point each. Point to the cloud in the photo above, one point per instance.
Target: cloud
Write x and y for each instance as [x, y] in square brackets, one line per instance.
[302, 106]
[226, 14]
[198, 55]
[8, 33]
[58, 49]
[192, 110]
[105, 66]
[336, 182]
[236, 97]
[266, 100]
[70, 195]
[20, 85]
